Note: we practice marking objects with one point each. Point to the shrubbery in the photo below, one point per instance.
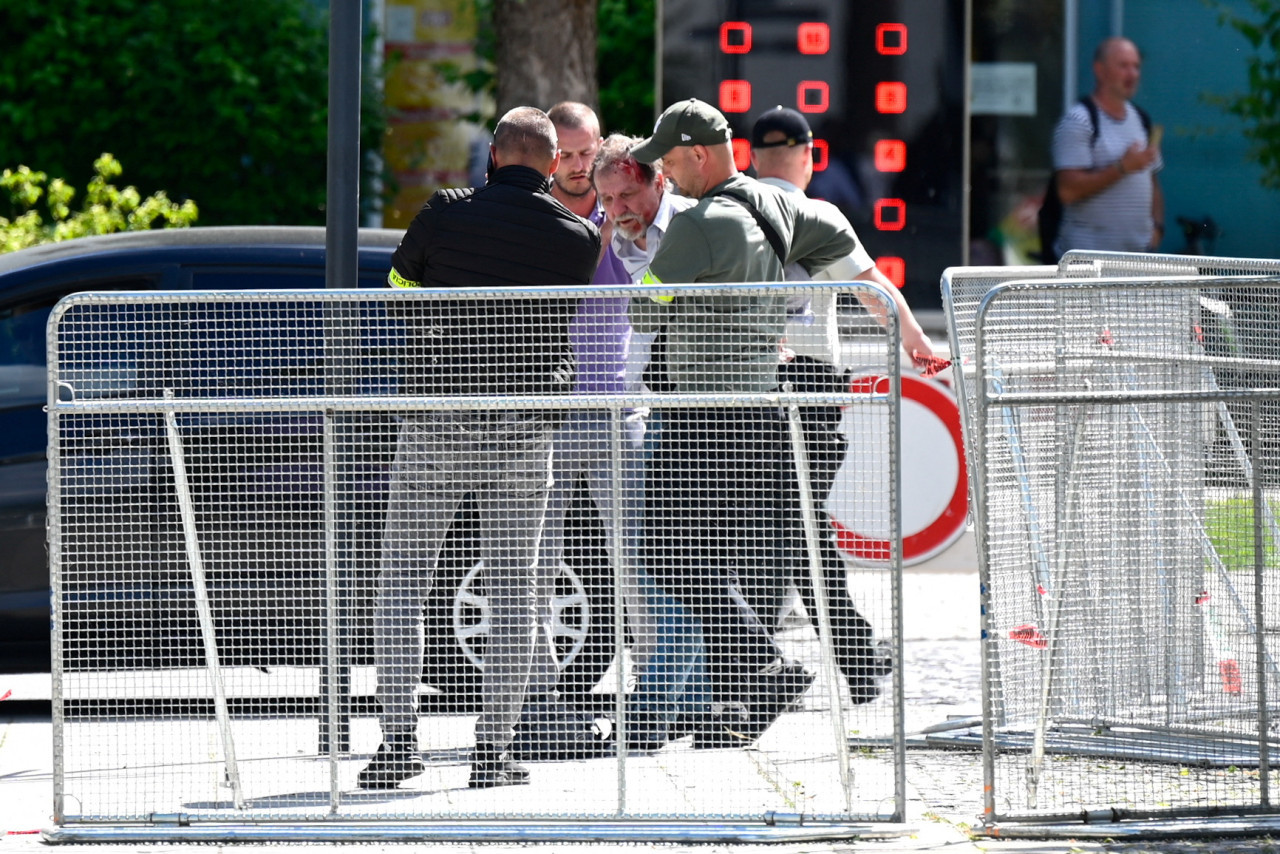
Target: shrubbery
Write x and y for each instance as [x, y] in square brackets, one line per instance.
[42, 209]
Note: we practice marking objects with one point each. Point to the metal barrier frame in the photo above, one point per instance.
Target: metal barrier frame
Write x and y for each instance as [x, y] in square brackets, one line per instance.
[340, 396]
[1145, 821]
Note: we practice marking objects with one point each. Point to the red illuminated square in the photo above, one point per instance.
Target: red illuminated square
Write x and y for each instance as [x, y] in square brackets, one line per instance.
[813, 96]
[735, 37]
[735, 96]
[891, 155]
[891, 214]
[891, 39]
[742, 153]
[813, 38]
[820, 154]
[891, 97]
[894, 269]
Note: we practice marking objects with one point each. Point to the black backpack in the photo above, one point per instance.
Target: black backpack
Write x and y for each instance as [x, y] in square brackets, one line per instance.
[1051, 209]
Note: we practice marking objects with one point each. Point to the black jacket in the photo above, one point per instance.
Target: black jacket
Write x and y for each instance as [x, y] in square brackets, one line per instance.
[509, 232]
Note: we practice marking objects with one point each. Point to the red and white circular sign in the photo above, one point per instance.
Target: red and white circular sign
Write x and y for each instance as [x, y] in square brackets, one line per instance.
[935, 486]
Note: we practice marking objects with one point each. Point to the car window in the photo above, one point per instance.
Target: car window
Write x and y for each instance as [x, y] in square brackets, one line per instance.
[22, 353]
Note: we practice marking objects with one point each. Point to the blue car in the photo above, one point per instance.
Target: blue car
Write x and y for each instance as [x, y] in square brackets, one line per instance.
[146, 615]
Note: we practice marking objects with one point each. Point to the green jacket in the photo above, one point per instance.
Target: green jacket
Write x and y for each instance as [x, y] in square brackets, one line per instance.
[729, 342]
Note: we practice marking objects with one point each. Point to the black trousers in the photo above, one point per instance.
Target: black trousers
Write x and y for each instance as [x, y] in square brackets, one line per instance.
[851, 633]
[715, 523]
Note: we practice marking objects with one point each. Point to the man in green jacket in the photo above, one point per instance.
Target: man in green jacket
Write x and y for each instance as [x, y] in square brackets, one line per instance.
[719, 479]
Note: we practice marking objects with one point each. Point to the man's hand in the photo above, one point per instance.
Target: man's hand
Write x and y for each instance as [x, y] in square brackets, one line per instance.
[1137, 157]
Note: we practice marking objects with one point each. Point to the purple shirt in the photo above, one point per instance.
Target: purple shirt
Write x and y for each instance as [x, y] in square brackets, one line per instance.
[600, 332]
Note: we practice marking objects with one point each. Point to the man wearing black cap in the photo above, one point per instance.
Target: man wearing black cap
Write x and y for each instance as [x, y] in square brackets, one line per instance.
[782, 153]
[718, 475]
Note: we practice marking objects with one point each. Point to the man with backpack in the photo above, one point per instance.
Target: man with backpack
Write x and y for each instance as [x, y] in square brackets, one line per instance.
[1106, 156]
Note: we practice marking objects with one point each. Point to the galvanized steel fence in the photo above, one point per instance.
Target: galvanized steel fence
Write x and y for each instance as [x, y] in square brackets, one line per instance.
[1120, 417]
[243, 491]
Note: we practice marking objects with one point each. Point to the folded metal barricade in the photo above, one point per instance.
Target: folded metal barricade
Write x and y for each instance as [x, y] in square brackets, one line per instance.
[1119, 428]
[221, 468]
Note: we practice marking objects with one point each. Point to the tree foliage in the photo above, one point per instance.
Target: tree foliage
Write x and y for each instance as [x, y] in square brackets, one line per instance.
[221, 101]
[626, 65]
[106, 208]
[1259, 107]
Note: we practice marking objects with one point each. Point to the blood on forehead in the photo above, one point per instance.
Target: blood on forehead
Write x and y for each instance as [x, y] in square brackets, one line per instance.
[632, 170]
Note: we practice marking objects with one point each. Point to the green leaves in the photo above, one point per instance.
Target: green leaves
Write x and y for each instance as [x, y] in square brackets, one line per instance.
[1259, 107]
[225, 102]
[107, 208]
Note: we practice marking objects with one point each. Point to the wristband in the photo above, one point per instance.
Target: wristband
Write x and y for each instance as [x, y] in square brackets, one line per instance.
[1120, 167]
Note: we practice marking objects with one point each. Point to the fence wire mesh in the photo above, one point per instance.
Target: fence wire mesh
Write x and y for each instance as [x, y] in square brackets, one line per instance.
[1121, 432]
[342, 555]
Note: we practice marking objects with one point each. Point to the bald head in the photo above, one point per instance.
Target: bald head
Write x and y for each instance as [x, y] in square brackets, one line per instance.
[1117, 67]
[526, 137]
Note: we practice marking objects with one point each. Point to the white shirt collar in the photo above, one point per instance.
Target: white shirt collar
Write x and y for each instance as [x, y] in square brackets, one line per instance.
[781, 183]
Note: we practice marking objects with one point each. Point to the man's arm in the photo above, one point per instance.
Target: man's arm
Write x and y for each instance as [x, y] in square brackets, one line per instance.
[914, 340]
[821, 236]
[1076, 185]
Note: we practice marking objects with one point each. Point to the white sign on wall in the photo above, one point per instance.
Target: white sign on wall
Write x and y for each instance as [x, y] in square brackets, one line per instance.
[1003, 89]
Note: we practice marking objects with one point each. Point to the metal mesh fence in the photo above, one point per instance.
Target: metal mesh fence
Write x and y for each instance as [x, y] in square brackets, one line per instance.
[349, 556]
[1121, 435]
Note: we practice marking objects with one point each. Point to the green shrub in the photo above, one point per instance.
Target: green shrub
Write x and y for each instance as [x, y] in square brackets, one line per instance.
[106, 208]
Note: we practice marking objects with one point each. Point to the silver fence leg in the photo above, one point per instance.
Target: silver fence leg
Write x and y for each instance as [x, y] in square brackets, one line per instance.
[1259, 607]
[801, 457]
[183, 490]
[1055, 594]
[622, 570]
[334, 724]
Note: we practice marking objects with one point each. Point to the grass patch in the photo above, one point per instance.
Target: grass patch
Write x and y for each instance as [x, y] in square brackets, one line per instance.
[1229, 524]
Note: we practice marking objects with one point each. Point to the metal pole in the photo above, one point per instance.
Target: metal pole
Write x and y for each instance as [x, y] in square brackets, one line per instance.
[341, 270]
[1070, 52]
[342, 205]
[204, 610]
[1259, 605]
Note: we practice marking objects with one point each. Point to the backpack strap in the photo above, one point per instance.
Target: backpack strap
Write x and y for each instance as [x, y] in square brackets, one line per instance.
[770, 233]
[1092, 109]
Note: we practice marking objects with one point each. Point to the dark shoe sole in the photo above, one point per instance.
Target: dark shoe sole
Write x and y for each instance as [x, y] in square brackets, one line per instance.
[383, 780]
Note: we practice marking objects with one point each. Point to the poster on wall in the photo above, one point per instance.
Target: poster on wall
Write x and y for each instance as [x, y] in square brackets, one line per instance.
[435, 131]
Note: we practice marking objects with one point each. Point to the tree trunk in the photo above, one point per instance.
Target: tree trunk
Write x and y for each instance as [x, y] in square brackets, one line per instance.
[546, 52]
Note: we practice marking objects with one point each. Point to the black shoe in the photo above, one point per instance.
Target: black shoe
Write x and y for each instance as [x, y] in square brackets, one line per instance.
[491, 767]
[647, 730]
[787, 681]
[730, 727]
[396, 761]
[864, 677]
[777, 687]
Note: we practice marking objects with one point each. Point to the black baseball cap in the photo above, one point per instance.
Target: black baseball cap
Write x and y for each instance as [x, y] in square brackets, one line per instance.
[794, 128]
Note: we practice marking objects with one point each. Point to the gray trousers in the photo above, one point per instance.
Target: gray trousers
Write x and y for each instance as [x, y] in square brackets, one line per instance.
[503, 458]
[584, 447]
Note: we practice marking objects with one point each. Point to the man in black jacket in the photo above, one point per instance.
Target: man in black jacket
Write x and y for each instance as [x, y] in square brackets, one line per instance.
[510, 232]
